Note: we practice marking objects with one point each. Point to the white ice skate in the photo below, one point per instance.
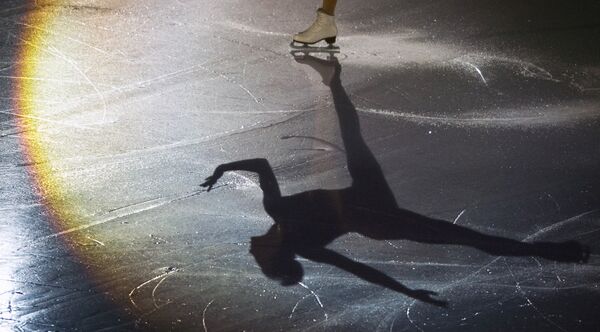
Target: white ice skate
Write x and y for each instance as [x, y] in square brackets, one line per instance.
[323, 28]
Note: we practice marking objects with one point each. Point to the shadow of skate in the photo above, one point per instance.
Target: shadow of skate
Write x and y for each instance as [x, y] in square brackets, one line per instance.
[305, 223]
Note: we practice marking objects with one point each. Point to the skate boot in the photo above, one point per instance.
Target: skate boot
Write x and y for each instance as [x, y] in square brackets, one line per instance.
[323, 28]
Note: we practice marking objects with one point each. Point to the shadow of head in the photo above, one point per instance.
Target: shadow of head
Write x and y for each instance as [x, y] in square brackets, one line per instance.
[276, 261]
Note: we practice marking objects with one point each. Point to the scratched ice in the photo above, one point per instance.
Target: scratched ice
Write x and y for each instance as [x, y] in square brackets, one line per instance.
[481, 121]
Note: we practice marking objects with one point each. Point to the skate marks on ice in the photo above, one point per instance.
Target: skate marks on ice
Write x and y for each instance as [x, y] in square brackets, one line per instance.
[478, 90]
[381, 50]
[533, 282]
[156, 281]
[502, 90]
[540, 116]
[250, 29]
[307, 222]
[385, 50]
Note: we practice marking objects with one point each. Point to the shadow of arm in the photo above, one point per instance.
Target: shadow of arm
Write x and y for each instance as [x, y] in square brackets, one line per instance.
[369, 274]
[260, 166]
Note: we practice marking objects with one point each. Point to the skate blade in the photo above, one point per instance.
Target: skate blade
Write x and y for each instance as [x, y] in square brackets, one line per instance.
[328, 52]
[306, 48]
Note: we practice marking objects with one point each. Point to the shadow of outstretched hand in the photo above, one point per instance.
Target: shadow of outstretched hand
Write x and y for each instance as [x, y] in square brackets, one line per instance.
[210, 181]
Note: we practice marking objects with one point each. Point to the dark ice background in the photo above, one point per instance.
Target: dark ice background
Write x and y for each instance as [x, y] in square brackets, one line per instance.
[481, 113]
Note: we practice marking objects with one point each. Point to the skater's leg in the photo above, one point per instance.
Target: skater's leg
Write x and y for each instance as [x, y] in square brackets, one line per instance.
[329, 6]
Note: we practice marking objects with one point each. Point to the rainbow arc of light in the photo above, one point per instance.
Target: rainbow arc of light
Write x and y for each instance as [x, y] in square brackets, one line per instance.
[34, 41]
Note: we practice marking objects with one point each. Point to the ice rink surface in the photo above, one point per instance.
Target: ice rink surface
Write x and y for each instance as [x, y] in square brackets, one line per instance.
[397, 174]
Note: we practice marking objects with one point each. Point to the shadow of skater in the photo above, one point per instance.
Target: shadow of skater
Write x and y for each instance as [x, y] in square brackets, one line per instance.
[305, 223]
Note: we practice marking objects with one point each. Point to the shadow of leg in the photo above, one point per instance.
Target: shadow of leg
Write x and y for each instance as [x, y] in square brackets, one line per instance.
[422, 229]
